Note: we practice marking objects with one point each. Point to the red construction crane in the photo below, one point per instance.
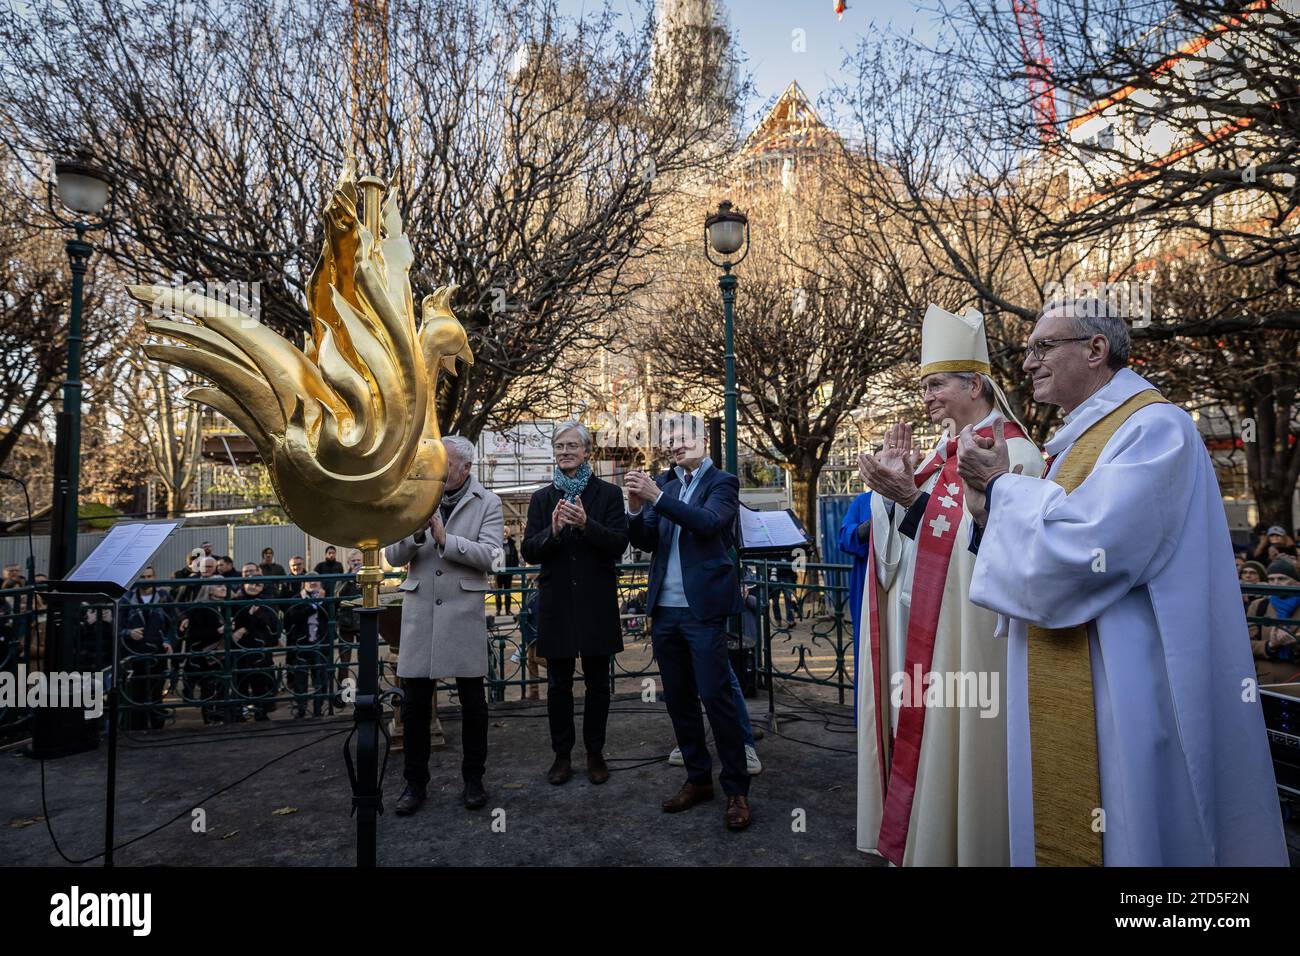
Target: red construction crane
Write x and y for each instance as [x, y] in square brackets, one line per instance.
[1038, 67]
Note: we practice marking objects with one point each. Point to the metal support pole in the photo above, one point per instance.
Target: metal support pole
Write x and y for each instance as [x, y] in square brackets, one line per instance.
[59, 731]
[727, 283]
[114, 695]
[367, 714]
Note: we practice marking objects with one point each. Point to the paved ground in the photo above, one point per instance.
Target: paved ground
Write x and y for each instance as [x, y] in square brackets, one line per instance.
[163, 774]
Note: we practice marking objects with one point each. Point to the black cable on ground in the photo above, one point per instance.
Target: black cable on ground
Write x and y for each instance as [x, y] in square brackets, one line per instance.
[50, 828]
[276, 729]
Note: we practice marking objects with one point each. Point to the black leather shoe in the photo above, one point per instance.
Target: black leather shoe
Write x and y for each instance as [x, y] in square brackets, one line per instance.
[409, 801]
[560, 771]
[474, 795]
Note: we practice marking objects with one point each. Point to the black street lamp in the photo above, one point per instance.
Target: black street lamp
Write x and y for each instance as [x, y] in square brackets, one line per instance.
[84, 189]
[727, 232]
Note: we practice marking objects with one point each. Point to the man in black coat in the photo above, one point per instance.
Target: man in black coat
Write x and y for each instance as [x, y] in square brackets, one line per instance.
[577, 532]
[145, 633]
[331, 565]
[306, 633]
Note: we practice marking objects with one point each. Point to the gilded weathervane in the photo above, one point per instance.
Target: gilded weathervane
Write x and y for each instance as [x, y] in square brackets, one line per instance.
[348, 428]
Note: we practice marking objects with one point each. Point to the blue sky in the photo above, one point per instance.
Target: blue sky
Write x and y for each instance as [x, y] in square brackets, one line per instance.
[765, 33]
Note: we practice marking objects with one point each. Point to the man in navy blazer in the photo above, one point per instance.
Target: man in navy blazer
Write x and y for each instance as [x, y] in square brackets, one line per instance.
[693, 588]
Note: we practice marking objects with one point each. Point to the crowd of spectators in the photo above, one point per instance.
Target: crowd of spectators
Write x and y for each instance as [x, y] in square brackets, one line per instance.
[279, 637]
[1271, 559]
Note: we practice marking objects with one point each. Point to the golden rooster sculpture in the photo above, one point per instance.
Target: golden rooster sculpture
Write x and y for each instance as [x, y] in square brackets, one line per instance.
[348, 428]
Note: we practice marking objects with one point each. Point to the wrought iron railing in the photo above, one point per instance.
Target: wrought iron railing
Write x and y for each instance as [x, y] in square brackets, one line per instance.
[796, 627]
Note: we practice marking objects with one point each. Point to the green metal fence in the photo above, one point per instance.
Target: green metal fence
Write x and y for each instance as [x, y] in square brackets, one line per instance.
[796, 627]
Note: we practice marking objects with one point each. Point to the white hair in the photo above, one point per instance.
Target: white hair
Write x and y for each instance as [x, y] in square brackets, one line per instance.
[573, 426]
[462, 446]
[986, 384]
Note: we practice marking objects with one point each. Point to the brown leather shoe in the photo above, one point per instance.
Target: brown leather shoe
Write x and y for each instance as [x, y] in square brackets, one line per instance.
[737, 813]
[688, 796]
[597, 772]
[561, 770]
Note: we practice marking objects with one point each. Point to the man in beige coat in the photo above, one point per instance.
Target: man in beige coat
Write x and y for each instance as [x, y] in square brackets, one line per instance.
[444, 623]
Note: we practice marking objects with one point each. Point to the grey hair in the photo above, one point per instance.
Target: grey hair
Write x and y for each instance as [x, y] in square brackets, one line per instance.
[986, 384]
[572, 426]
[463, 447]
[1092, 317]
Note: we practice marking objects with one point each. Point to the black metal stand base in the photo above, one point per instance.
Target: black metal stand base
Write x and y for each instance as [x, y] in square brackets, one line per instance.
[368, 716]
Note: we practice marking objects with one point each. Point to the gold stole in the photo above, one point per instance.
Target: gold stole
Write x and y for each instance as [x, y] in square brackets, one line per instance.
[1062, 718]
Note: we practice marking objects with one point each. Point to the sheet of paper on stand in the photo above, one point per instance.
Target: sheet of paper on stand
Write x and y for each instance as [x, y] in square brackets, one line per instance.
[124, 552]
[770, 529]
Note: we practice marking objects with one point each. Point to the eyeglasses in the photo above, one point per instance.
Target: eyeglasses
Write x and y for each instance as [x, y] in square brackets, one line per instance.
[568, 445]
[936, 383]
[1040, 348]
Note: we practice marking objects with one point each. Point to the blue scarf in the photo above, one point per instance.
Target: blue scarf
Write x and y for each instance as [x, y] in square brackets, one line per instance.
[571, 488]
[1284, 607]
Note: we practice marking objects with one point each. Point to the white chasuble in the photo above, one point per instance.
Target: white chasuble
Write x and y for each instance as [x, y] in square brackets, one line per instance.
[1139, 552]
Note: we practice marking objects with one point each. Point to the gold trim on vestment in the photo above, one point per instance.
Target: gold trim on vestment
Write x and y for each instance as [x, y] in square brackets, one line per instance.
[1062, 716]
[955, 365]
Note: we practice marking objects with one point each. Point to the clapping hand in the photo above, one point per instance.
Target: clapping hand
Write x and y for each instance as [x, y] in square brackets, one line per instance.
[890, 470]
[572, 513]
[438, 529]
[641, 489]
[979, 461]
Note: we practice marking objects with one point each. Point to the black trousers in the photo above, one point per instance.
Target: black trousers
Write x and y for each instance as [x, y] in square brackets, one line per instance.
[559, 702]
[417, 712]
[307, 660]
[503, 583]
[145, 676]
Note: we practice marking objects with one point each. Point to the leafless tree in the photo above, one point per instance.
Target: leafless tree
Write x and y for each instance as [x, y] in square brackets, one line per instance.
[527, 148]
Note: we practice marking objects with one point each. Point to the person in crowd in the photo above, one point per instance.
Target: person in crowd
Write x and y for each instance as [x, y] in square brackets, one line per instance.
[1277, 656]
[306, 632]
[297, 569]
[202, 630]
[505, 581]
[1251, 572]
[145, 627]
[12, 624]
[1271, 543]
[248, 570]
[444, 627]
[202, 568]
[226, 567]
[272, 569]
[348, 623]
[577, 532]
[331, 565]
[207, 549]
[191, 570]
[855, 540]
[256, 632]
[785, 581]
[688, 525]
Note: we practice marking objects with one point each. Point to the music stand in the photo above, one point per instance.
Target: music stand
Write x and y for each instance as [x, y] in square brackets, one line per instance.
[109, 572]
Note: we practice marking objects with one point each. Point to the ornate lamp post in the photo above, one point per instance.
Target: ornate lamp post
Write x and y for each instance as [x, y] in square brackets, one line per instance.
[84, 189]
[727, 232]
